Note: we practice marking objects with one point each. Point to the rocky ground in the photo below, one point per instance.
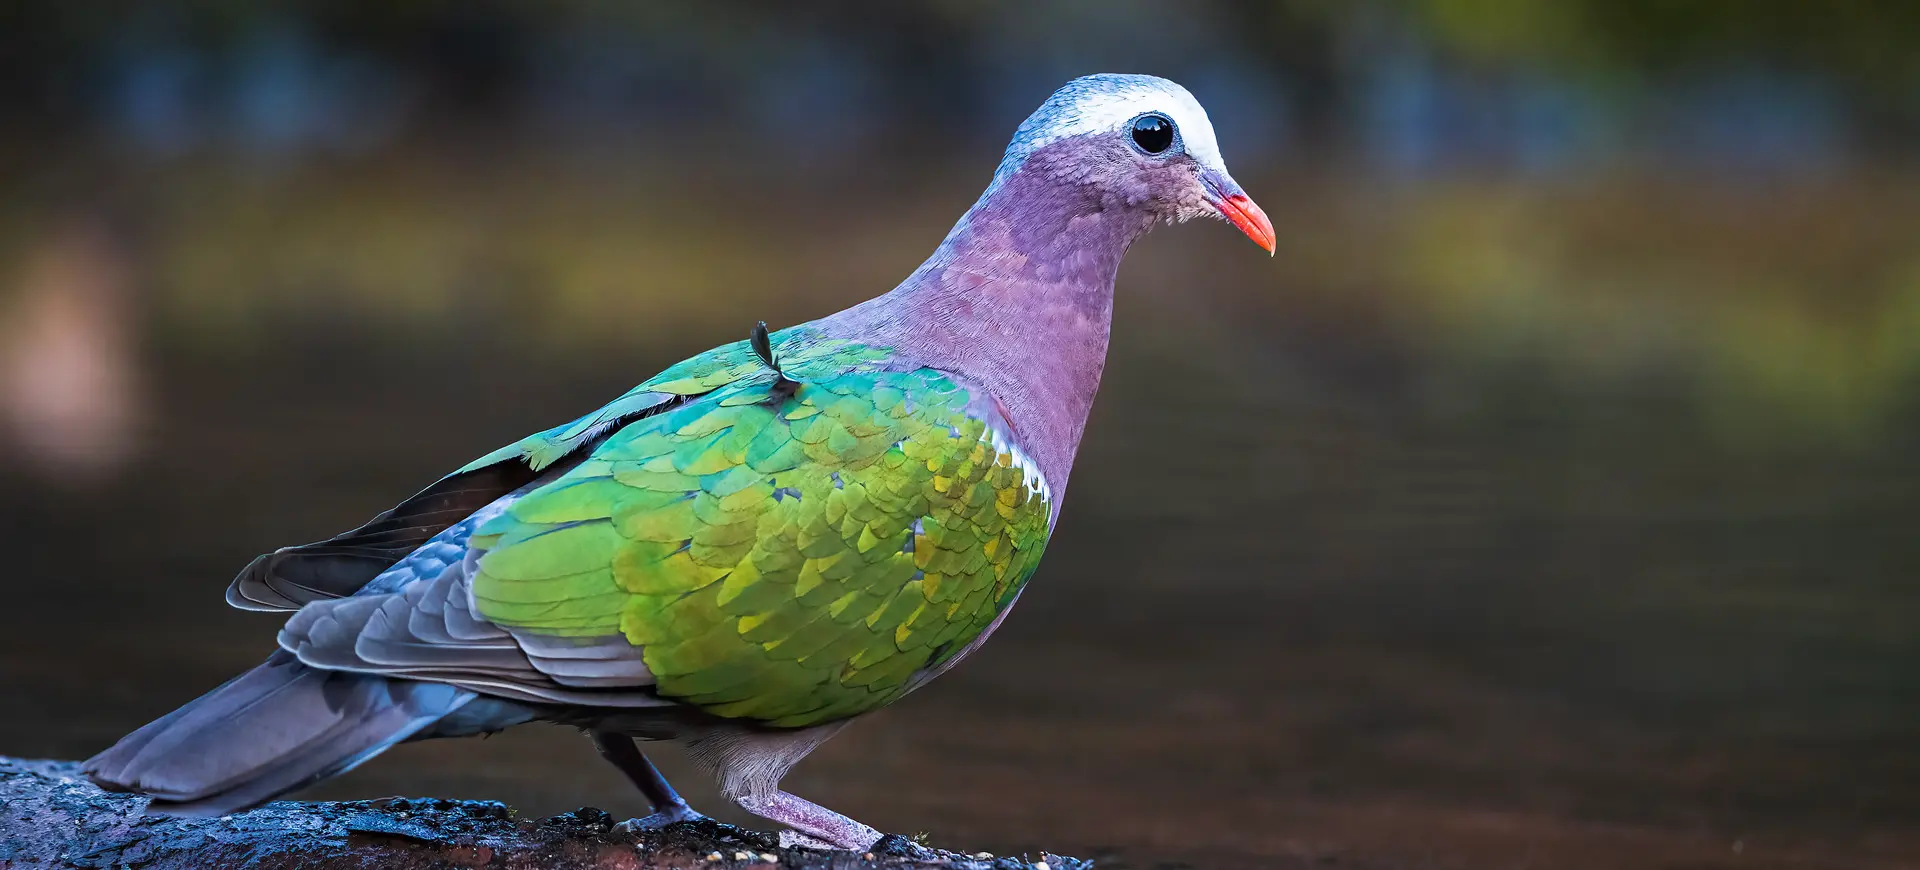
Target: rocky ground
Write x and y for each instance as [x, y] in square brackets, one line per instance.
[51, 816]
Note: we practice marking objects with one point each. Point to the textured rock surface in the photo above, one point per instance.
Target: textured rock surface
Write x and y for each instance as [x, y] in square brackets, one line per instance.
[51, 816]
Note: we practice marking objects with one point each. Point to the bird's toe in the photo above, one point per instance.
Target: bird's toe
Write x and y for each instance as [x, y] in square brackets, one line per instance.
[659, 819]
[791, 839]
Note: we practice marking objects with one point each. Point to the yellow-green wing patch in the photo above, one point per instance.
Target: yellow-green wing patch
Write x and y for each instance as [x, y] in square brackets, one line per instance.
[786, 557]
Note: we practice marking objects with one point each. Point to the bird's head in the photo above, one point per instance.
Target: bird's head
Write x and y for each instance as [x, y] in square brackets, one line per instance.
[1136, 142]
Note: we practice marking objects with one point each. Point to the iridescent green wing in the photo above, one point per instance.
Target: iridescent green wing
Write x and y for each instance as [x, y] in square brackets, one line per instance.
[716, 368]
[787, 553]
[292, 577]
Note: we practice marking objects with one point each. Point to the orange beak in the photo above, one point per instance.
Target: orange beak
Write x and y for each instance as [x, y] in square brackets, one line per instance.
[1238, 208]
[1246, 214]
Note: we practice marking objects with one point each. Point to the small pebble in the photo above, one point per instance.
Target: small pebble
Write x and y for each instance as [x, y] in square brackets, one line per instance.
[769, 857]
[867, 857]
[983, 855]
[741, 856]
[1041, 865]
[713, 856]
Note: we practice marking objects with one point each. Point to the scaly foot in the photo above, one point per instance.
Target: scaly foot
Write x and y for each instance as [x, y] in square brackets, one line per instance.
[659, 819]
[791, 839]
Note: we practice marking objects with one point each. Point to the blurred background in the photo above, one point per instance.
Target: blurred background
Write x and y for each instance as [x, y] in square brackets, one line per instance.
[1550, 500]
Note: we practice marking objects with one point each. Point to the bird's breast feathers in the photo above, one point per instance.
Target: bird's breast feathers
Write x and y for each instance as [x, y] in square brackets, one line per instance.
[790, 547]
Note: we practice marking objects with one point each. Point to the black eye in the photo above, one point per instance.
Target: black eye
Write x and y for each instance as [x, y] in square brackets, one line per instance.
[1153, 133]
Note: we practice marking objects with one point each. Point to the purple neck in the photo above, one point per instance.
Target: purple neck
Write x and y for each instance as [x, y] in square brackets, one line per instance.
[1018, 301]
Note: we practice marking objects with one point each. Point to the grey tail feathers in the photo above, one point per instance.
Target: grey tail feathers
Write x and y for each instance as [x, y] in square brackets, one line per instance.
[269, 731]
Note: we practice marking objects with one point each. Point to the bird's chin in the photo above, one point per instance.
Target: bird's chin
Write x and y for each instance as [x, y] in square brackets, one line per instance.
[1188, 212]
[1194, 208]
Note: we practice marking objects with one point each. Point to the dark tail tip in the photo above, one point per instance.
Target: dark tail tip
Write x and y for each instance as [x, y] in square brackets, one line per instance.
[269, 731]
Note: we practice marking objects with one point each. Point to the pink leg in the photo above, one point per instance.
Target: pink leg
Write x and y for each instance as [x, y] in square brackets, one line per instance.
[749, 764]
[815, 825]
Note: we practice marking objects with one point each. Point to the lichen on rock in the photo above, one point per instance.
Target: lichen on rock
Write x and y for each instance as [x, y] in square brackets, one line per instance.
[53, 816]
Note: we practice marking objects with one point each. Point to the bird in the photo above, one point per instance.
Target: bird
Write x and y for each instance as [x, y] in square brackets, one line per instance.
[748, 550]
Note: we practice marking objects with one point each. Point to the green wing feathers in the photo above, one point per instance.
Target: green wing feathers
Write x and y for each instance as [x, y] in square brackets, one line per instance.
[719, 367]
[790, 554]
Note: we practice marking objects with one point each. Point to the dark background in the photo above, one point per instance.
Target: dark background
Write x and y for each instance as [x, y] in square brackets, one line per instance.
[1550, 500]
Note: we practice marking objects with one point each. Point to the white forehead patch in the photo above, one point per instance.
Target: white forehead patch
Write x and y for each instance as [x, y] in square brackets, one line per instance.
[1108, 101]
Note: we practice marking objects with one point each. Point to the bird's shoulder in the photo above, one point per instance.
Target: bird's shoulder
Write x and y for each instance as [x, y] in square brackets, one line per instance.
[802, 350]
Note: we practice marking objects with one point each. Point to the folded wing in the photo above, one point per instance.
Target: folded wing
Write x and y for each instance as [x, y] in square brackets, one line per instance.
[787, 550]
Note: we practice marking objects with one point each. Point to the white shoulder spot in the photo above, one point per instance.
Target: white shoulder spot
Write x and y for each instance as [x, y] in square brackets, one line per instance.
[1002, 445]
